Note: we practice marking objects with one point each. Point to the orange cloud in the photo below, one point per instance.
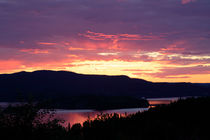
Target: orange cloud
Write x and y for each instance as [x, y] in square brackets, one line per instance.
[137, 70]
[179, 72]
[46, 43]
[81, 49]
[108, 53]
[34, 51]
[10, 66]
[102, 36]
[115, 38]
[173, 48]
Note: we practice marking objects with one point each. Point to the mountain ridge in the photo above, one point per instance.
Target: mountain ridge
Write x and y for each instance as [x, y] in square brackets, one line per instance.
[54, 84]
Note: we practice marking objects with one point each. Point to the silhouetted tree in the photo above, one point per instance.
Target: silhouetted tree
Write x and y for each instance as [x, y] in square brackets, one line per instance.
[28, 121]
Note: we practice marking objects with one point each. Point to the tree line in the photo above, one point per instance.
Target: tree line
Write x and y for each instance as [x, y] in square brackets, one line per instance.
[181, 120]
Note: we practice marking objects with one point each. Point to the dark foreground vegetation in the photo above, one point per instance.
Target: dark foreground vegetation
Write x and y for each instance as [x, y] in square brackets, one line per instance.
[182, 120]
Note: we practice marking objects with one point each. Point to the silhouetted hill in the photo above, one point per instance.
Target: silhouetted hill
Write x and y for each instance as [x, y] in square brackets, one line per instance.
[60, 85]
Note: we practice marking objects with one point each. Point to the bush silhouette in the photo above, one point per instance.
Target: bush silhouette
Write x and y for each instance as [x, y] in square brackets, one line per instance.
[29, 121]
[181, 120]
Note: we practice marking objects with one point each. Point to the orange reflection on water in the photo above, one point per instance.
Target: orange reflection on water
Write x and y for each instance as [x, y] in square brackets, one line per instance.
[74, 117]
[80, 116]
[159, 101]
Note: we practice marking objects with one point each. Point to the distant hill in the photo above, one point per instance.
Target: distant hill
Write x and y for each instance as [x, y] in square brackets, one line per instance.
[61, 85]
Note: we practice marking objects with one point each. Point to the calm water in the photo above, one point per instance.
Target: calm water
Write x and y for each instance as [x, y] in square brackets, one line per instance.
[79, 116]
[158, 101]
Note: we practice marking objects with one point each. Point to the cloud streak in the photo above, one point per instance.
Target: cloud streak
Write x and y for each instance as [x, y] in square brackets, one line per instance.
[178, 72]
[158, 37]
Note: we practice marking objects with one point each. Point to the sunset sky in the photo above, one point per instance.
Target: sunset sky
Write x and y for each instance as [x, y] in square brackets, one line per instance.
[156, 40]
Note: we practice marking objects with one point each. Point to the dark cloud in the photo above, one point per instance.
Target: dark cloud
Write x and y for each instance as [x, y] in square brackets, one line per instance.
[35, 31]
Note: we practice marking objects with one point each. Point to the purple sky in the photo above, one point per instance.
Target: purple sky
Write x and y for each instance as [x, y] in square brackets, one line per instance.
[158, 40]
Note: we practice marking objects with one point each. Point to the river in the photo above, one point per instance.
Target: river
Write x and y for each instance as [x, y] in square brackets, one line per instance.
[79, 116]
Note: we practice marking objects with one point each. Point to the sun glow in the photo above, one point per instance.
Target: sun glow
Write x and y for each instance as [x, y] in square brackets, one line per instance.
[114, 67]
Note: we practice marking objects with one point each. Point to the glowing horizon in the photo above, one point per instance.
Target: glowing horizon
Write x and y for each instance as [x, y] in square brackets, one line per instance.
[159, 41]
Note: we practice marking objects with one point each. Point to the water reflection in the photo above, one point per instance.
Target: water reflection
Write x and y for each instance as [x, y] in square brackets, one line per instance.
[80, 116]
[158, 101]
